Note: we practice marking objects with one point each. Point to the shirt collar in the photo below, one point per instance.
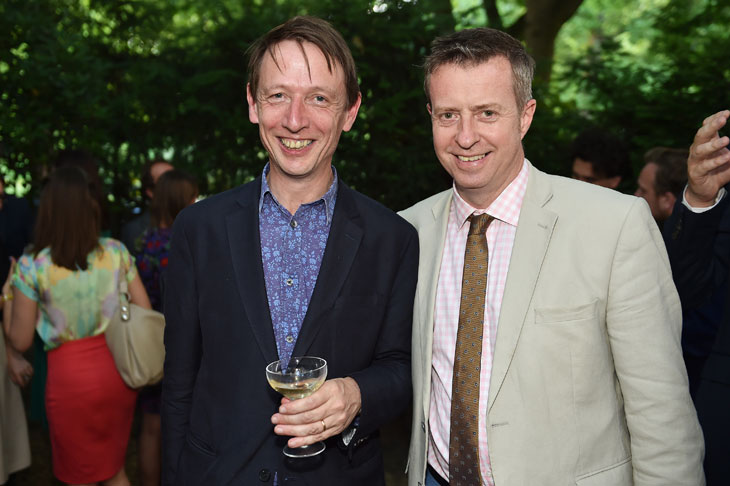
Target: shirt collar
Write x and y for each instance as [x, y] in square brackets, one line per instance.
[505, 208]
[329, 197]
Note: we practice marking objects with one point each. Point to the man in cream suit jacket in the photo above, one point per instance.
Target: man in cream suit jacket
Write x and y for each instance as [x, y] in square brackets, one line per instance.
[580, 377]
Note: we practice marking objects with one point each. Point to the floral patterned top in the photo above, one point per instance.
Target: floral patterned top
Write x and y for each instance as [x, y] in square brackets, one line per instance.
[74, 304]
[152, 260]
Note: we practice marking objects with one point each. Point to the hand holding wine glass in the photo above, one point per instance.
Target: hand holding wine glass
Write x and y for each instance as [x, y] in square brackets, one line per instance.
[299, 378]
[326, 413]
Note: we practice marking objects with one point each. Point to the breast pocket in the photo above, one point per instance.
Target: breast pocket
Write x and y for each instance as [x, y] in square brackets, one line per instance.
[577, 329]
[566, 315]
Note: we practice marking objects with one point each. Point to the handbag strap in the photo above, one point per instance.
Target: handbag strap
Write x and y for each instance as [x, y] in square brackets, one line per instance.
[124, 298]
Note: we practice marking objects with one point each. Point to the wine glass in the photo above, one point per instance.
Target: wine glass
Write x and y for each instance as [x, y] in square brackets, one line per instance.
[301, 377]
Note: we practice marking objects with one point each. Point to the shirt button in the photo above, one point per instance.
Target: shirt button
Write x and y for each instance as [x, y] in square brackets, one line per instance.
[293, 223]
[290, 282]
[290, 339]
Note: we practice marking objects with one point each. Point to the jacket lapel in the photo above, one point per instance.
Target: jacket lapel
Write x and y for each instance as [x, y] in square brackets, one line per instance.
[342, 244]
[244, 242]
[534, 230]
[432, 237]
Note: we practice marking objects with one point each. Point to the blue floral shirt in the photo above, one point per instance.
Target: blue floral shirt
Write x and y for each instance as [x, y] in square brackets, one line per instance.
[292, 247]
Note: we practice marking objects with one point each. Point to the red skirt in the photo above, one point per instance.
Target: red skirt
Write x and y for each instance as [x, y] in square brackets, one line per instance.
[90, 411]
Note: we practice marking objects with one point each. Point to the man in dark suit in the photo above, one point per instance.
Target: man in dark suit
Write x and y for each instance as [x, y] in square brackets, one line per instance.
[294, 263]
[698, 242]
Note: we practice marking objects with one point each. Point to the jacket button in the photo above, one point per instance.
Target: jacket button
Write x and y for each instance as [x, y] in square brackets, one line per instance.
[423, 426]
[264, 475]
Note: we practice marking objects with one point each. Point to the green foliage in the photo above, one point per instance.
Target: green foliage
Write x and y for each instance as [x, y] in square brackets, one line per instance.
[651, 80]
[130, 80]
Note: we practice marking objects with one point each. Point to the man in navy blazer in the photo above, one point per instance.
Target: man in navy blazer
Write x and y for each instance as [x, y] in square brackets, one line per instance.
[698, 242]
[292, 264]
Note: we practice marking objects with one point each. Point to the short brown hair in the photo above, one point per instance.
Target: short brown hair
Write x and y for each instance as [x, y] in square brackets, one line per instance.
[147, 181]
[174, 191]
[471, 47]
[606, 152]
[69, 219]
[306, 29]
[671, 173]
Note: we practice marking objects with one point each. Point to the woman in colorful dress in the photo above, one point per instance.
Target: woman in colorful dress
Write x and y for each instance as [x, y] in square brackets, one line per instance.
[66, 289]
[174, 191]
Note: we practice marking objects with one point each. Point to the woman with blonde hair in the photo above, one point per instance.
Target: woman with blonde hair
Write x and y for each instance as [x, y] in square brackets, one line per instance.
[67, 290]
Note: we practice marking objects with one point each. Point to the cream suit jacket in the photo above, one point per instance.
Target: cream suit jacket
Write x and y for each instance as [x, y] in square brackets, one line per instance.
[588, 386]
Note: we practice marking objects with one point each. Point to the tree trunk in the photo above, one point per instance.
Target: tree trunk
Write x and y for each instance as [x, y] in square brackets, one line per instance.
[542, 22]
[494, 20]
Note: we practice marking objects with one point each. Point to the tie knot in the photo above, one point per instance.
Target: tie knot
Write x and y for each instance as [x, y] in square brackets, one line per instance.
[478, 223]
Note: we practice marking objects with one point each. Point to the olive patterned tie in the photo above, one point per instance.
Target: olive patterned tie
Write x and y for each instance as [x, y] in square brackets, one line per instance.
[464, 436]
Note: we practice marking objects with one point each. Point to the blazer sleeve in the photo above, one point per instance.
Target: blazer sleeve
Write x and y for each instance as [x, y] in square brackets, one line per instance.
[643, 318]
[182, 349]
[699, 251]
[385, 386]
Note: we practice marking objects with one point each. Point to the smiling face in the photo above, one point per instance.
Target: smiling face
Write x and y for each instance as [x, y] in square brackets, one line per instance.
[478, 127]
[301, 109]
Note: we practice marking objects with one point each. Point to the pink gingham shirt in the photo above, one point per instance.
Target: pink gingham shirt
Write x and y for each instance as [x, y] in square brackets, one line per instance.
[500, 239]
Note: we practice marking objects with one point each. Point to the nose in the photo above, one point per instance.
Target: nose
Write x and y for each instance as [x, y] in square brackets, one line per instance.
[467, 135]
[296, 117]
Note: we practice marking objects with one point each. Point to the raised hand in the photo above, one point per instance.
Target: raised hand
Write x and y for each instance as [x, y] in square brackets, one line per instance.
[708, 166]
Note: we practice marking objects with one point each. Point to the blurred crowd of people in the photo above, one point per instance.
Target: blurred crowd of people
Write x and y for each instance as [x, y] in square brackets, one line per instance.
[63, 289]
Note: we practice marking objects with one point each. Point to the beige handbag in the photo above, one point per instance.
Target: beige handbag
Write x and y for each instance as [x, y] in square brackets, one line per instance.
[135, 339]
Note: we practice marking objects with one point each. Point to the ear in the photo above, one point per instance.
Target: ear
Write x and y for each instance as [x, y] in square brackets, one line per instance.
[666, 203]
[253, 114]
[428, 108]
[352, 114]
[526, 120]
[613, 182]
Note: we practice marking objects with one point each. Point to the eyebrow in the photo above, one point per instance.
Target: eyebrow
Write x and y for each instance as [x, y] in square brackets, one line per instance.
[284, 87]
[481, 107]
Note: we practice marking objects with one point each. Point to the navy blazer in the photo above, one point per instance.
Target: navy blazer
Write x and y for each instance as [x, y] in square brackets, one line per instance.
[699, 251]
[216, 402]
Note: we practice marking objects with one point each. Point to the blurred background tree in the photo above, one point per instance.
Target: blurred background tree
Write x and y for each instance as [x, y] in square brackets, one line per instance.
[136, 79]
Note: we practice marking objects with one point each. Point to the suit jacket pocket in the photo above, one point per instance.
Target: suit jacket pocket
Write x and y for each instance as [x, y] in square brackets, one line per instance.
[366, 466]
[197, 463]
[558, 315]
[200, 445]
[619, 474]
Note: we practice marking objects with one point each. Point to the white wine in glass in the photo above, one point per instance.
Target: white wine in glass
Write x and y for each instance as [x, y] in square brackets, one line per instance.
[301, 377]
